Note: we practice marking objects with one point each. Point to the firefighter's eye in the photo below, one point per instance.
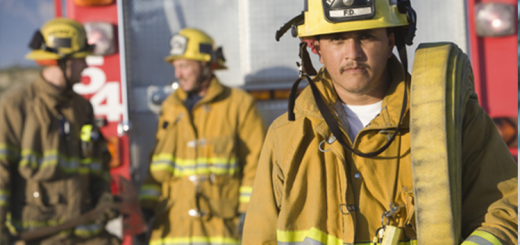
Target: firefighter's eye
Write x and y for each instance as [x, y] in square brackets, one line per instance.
[336, 38]
[366, 36]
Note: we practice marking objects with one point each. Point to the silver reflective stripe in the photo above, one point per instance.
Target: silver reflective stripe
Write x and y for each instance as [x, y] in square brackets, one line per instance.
[90, 229]
[9, 153]
[479, 240]
[222, 165]
[150, 192]
[95, 166]
[310, 241]
[307, 241]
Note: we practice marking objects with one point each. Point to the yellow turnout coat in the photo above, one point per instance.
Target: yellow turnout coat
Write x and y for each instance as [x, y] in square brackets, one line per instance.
[309, 190]
[203, 166]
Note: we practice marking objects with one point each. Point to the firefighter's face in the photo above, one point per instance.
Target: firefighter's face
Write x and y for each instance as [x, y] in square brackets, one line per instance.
[356, 61]
[189, 73]
[74, 68]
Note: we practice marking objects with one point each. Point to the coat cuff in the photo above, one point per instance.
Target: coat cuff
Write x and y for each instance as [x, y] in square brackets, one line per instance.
[4, 198]
[149, 196]
[481, 238]
[245, 196]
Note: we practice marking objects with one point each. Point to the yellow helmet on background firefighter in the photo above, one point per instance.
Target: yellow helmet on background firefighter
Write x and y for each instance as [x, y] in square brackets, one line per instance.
[194, 44]
[60, 38]
[332, 16]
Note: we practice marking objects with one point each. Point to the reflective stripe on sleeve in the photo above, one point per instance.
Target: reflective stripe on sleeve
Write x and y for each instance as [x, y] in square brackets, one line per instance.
[245, 194]
[150, 192]
[51, 158]
[481, 238]
[195, 241]
[4, 198]
[30, 224]
[8, 152]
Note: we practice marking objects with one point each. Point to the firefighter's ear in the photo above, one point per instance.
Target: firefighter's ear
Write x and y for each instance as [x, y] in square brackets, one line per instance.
[316, 47]
[391, 44]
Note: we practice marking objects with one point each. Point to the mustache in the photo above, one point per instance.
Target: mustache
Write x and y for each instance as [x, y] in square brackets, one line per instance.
[352, 65]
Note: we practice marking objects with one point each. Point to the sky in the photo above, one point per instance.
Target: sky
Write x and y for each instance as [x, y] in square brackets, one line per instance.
[19, 19]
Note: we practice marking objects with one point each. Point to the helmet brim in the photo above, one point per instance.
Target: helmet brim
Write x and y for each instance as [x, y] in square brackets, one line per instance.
[45, 55]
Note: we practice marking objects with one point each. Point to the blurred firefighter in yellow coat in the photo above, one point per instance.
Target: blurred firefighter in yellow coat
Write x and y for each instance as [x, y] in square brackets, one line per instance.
[339, 170]
[208, 141]
[53, 159]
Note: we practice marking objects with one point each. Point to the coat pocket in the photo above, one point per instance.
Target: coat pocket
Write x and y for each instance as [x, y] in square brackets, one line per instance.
[222, 196]
[223, 145]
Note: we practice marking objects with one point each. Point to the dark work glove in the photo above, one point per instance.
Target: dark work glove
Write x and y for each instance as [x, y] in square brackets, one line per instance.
[110, 213]
[240, 226]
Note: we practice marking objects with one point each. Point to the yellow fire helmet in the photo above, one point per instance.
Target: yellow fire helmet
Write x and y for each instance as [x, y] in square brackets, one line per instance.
[332, 16]
[60, 38]
[194, 44]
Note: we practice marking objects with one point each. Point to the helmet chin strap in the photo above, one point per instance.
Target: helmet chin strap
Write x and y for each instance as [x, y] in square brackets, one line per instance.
[205, 72]
[62, 63]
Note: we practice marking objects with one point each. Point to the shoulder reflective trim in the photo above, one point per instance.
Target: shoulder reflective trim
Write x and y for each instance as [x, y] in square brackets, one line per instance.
[88, 230]
[51, 158]
[185, 167]
[313, 235]
[245, 194]
[150, 192]
[196, 241]
[481, 238]
[9, 152]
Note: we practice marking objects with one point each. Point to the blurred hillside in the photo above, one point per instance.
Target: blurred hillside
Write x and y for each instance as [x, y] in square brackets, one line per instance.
[15, 76]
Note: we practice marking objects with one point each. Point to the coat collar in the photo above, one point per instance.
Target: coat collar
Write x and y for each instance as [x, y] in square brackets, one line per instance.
[215, 89]
[52, 95]
[391, 106]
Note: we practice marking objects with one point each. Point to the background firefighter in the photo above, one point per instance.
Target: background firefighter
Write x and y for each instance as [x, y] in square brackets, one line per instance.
[337, 168]
[53, 162]
[207, 145]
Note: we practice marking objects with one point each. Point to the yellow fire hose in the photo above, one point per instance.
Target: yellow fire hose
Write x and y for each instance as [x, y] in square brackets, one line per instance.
[442, 83]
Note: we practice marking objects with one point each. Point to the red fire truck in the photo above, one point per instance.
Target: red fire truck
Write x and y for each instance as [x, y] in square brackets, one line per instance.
[127, 80]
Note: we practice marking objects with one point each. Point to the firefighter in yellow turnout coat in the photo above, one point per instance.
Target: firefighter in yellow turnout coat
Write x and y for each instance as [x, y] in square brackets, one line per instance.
[310, 189]
[52, 164]
[208, 142]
